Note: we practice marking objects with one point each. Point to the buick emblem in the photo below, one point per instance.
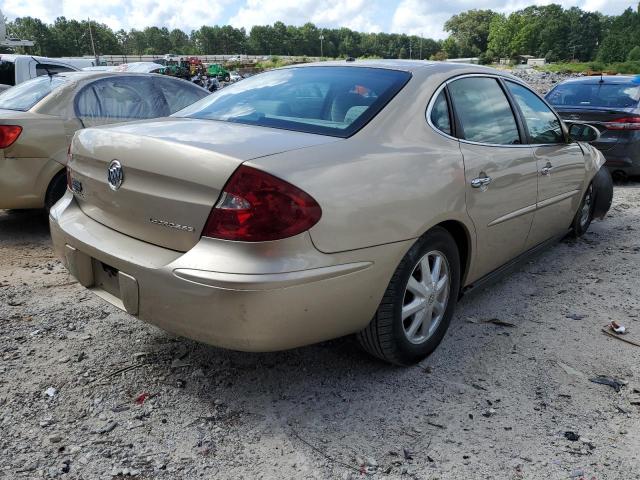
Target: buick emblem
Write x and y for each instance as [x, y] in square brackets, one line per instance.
[115, 175]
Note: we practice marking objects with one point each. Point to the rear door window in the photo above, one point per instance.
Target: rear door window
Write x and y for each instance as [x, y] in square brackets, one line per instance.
[543, 125]
[483, 111]
[611, 95]
[120, 98]
[440, 114]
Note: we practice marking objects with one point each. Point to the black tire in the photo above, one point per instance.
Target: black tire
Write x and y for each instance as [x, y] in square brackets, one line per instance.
[227, 78]
[584, 215]
[56, 190]
[385, 337]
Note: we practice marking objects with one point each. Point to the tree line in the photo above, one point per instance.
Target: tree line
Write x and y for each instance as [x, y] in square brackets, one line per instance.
[548, 31]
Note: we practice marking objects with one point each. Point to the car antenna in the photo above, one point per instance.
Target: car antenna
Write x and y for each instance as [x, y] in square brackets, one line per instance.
[43, 66]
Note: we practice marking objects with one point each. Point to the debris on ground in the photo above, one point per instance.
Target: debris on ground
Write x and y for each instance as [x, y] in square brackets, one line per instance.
[494, 321]
[616, 327]
[625, 338]
[612, 382]
[571, 436]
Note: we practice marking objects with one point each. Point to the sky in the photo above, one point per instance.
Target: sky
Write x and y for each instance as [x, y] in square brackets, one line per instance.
[417, 17]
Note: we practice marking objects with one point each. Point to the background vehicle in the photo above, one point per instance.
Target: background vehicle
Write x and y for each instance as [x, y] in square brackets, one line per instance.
[234, 77]
[15, 69]
[612, 104]
[39, 117]
[218, 71]
[316, 201]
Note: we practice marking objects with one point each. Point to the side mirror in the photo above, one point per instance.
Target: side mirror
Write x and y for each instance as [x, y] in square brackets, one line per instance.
[583, 132]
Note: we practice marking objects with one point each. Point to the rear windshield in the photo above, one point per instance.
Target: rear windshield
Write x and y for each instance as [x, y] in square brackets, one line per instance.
[612, 95]
[26, 95]
[335, 101]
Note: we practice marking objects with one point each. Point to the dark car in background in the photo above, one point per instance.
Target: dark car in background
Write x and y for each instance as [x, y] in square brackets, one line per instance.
[610, 103]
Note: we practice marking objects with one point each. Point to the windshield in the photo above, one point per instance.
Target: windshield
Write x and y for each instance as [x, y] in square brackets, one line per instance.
[335, 101]
[608, 95]
[25, 95]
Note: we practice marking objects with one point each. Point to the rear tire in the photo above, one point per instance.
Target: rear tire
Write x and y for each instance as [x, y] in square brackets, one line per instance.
[584, 215]
[55, 191]
[395, 334]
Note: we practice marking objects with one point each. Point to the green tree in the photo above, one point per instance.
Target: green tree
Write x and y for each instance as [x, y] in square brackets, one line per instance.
[634, 54]
[470, 30]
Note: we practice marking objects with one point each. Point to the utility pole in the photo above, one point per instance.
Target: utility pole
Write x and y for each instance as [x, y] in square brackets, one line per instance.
[321, 39]
[93, 46]
[410, 48]
[420, 45]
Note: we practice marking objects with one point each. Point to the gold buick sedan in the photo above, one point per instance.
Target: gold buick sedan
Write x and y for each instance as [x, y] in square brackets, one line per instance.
[316, 201]
[39, 117]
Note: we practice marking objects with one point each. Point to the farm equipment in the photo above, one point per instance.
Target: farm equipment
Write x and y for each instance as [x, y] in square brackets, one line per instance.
[218, 71]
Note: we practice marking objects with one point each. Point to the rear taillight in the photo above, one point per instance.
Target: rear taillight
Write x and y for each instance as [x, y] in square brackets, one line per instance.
[256, 207]
[626, 123]
[9, 134]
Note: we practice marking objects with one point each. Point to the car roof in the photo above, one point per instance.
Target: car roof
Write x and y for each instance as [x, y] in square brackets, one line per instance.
[404, 65]
[599, 79]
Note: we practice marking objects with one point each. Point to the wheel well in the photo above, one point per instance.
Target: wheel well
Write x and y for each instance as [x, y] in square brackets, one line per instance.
[460, 234]
[59, 174]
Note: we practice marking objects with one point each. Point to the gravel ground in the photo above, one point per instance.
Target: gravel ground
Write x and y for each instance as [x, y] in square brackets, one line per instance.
[87, 391]
[541, 81]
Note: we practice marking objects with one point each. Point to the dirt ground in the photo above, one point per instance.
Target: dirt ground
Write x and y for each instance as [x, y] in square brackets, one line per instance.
[87, 391]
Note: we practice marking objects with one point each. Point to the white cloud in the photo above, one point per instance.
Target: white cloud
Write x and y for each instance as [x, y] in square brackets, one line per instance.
[126, 14]
[424, 17]
[355, 14]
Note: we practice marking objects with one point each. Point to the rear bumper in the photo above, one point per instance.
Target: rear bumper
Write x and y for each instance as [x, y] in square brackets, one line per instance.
[624, 157]
[252, 297]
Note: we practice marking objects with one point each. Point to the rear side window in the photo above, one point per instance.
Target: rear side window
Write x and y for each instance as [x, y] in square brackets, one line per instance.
[121, 98]
[51, 69]
[335, 101]
[24, 96]
[484, 111]
[7, 73]
[178, 93]
[542, 123]
[440, 114]
[611, 95]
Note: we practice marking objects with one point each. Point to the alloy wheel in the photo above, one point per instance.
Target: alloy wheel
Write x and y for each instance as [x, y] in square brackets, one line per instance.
[426, 296]
[585, 212]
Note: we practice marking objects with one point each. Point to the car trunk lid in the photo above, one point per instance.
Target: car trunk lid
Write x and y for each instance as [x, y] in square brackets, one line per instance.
[604, 119]
[173, 171]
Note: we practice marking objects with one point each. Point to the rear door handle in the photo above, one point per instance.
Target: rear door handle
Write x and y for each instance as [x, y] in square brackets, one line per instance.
[480, 182]
[546, 170]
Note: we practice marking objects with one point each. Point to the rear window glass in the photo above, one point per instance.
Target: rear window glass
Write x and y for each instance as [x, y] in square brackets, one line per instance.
[335, 101]
[613, 95]
[26, 95]
[7, 73]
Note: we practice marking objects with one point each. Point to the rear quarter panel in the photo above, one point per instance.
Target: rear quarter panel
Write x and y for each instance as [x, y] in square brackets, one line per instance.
[391, 181]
